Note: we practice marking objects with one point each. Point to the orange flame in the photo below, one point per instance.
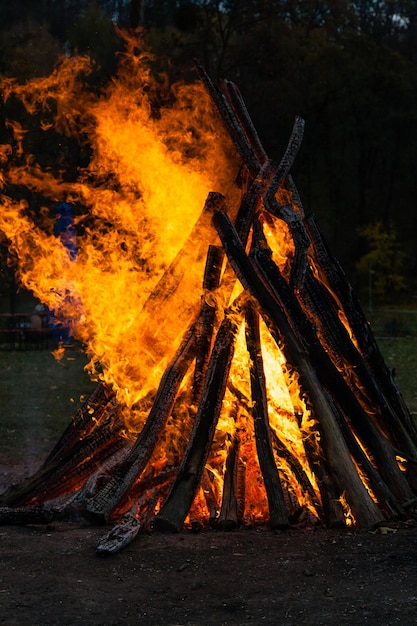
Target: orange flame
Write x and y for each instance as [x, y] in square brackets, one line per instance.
[139, 221]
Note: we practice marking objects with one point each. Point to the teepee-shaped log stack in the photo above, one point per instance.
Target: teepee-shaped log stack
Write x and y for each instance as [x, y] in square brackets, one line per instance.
[362, 452]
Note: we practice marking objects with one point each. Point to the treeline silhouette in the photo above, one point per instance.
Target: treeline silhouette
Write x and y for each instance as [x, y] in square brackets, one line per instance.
[348, 68]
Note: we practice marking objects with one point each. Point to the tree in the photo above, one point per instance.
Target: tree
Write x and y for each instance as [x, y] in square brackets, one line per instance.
[384, 263]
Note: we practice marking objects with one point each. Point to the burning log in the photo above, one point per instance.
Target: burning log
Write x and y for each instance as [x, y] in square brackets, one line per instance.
[73, 459]
[398, 420]
[229, 513]
[335, 384]
[336, 451]
[278, 515]
[205, 322]
[106, 500]
[350, 421]
[175, 509]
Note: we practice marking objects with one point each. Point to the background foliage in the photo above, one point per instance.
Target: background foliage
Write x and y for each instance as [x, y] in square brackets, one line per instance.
[348, 68]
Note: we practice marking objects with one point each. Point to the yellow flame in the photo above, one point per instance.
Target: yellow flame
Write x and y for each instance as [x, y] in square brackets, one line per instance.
[142, 237]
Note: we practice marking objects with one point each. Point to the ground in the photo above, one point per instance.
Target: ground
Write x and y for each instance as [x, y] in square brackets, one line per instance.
[52, 576]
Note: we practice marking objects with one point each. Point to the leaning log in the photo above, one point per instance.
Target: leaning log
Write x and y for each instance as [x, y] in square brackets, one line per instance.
[206, 319]
[228, 518]
[365, 510]
[330, 379]
[174, 511]
[85, 421]
[278, 516]
[101, 505]
[70, 467]
[334, 277]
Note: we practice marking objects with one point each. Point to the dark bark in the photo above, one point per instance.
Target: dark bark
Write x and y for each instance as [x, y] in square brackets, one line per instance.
[400, 423]
[335, 448]
[205, 323]
[27, 515]
[235, 99]
[329, 378]
[298, 471]
[278, 516]
[230, 122]
[72, 466]
[102, 505]
[228, 518]
[85, 421]
[175, 509]
[119, 536]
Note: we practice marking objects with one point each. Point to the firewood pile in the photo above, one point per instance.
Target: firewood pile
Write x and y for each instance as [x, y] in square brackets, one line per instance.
[360, 455]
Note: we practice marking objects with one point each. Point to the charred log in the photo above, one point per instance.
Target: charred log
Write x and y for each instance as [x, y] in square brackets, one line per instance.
[105, 501]
[278, 516]
[366, 512]
[175, 509]
[229, 515]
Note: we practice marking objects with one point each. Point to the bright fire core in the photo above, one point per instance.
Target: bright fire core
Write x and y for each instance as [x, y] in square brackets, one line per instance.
[138, 206]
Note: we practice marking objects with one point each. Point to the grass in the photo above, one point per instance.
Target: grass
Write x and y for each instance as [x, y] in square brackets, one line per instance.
[400, 355]
[38, 398]
[394, 322]
[39, 395]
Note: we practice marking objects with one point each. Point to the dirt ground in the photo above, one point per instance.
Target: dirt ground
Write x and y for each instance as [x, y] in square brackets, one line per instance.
[52, 575]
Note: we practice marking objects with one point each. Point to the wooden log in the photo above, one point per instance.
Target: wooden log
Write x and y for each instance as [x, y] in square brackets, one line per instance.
[206, 319]
[327, 482]
[26, 515]
[228, 518]
[211, 495]
[365, 510]
[278, 516]
[350, 362]
[299, 235]
[297, 470]
[241, 112]
[330, 378]
[250, 205]
[331, 510]
[286, 162]
[102, 504]
[388, 503]
[85, 421]
[119, 536]
[71, 476]
[69, 468]
[241, 489]
[230, 121]
[97, 478]
[376, 385]
[315, 458]
[251, 201]
[196, 241]
[344, 298]
[394, 415]
[174, 511]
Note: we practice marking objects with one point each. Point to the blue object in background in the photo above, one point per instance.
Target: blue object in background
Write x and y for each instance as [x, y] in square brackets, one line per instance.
[66, 232]
[65, 227]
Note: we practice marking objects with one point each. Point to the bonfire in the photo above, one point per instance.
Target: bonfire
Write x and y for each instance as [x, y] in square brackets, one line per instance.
[238, 381]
